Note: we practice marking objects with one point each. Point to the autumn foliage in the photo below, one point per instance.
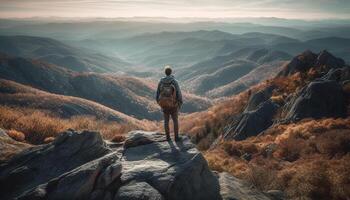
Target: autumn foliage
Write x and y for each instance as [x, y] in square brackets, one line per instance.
[38, 126]
[308, 160]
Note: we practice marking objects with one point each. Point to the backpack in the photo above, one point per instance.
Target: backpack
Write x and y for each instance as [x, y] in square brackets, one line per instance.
[167, 96]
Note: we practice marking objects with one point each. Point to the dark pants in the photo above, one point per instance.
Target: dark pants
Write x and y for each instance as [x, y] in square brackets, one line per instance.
[174, 116]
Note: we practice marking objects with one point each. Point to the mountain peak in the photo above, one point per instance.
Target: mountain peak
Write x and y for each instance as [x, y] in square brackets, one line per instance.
[326, 59]
[322, 62]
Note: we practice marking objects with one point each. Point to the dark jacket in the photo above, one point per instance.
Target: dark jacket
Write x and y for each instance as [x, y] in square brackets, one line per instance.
[170, 79]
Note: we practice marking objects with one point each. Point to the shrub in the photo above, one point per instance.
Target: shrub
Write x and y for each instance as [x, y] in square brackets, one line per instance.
[262, 177]
[16, 135]
[310, 183]
[48, 140]
[118, 138]
[37, 125]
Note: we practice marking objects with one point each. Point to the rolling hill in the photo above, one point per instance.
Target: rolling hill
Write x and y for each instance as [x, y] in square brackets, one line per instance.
[222, 71]
[61, 54]
[21, 96]
[131, 96]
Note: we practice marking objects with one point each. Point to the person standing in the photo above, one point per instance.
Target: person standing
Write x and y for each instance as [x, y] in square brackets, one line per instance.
[169, 98]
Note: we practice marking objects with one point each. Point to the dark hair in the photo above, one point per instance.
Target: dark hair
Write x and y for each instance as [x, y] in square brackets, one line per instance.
[167, 70]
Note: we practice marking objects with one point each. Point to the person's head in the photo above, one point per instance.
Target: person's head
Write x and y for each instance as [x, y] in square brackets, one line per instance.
[167, 70]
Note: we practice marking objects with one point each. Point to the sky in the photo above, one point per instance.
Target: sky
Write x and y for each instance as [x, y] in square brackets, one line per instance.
[290, 9]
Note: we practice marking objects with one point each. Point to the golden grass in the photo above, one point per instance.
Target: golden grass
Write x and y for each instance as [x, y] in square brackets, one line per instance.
[16, 135]
[37, 125]
[308, 160]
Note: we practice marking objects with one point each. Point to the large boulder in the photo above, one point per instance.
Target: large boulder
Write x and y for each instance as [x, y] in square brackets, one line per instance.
[80, 165]
[175, 170]
[9, 146]
[257, 116]
[253, 122]
[40, 164]
[317, 100]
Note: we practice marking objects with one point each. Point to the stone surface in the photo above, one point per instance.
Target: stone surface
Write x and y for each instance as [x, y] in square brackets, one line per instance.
[138, 191]
[176, 170]
[338, 74]
[252, 123]
[40, 164]
[317, 100]
[235, 189]
[258, 98]
[80, 165]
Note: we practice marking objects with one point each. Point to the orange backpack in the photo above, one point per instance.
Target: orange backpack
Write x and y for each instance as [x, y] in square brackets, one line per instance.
[167, 96]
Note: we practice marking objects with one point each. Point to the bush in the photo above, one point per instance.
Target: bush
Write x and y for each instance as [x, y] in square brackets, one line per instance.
[36, 125]
[16, 135]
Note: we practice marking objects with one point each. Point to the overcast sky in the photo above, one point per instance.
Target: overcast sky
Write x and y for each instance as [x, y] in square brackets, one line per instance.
[300, 9]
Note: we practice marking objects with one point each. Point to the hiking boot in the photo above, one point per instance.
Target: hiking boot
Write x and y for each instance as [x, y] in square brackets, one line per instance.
[168, 137]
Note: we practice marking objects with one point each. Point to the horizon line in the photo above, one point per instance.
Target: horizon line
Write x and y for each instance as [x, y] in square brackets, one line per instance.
[177, 18]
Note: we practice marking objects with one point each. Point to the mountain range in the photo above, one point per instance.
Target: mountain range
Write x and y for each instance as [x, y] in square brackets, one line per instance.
[266, 102]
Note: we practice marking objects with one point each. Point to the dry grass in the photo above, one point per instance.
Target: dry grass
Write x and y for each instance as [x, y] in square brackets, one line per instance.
[37, 125]
[16, 135]
[308, 160]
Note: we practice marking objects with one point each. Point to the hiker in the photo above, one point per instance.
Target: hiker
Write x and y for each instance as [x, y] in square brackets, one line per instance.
[169, 98]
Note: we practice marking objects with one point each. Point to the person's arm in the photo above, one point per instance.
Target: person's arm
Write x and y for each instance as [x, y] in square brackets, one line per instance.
[178, 92]
[158, 92]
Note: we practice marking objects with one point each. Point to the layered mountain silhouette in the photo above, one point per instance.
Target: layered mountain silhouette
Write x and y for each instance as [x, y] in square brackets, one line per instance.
[131, 96]
[53, 51]
[211, 76]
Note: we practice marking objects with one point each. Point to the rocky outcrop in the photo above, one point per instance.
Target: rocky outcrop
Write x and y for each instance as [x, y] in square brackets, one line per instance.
[80, 165]
[9, 146]
[41, 164]
[254, 122]
[257, 117]
[339, 75]
[324, 61]
[317, 100]
[259, 97]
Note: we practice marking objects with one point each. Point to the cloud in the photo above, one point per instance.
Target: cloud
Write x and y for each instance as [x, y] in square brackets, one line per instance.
[177, 8]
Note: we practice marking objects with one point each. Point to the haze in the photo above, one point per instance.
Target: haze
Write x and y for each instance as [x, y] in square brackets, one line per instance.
[307, 9]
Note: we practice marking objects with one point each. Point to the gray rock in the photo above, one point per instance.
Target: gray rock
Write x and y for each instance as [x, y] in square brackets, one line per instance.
[327, 61]
[253, 122]
[317, 100]
[79, 183]
[176, 170]
[235, 189]
[40, 164]
[258, 98]
[276, 194]
[3, 133]
[137, 138]
[338, 74]
[79, 166]
[138, 191]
